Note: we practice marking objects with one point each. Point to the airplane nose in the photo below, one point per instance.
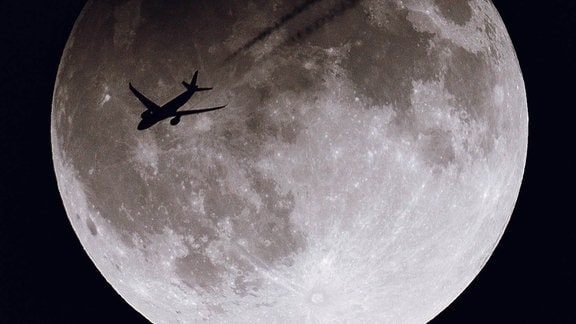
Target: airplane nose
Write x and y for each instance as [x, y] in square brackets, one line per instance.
[143, 125]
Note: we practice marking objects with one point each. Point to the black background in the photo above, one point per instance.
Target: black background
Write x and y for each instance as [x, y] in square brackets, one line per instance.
[46, 277]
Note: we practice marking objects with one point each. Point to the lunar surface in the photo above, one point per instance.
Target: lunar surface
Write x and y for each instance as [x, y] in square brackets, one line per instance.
[364, 168]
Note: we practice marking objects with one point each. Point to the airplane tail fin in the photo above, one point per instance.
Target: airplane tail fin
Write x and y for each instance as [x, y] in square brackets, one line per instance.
[195, 79]
[193, 84]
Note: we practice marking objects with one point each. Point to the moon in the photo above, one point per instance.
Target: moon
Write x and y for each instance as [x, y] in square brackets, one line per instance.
[364, 169]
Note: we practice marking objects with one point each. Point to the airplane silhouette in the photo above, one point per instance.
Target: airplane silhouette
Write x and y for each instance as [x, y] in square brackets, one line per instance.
[155, 113]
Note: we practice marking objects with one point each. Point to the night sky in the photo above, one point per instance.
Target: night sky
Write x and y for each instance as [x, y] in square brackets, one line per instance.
[46, 277]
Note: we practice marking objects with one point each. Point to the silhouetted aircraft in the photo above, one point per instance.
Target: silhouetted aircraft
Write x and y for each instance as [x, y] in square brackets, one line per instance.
[155, 113]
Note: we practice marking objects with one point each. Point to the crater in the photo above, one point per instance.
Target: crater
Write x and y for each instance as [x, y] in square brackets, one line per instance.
[91, 227]
[317, 298]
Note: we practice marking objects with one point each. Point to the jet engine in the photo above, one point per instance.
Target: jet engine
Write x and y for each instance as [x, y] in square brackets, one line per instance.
[175, 120]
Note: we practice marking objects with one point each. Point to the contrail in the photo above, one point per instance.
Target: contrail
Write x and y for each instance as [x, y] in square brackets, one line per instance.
[339, 8]
[266, 32]
[318, 23]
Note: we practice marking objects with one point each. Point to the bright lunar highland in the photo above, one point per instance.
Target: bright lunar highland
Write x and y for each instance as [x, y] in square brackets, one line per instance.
[364, 168]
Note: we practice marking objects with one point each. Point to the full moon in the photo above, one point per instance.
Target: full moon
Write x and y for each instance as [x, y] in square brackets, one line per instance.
[363, 170]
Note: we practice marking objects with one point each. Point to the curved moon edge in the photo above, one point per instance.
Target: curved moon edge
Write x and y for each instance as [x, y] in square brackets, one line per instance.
[362, 176]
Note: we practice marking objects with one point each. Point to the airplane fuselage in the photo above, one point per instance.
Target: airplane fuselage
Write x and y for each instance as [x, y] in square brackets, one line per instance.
[173, 105]
[168, 110]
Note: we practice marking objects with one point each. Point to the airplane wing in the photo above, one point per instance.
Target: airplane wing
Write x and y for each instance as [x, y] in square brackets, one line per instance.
[197, 111]
[150, 105]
